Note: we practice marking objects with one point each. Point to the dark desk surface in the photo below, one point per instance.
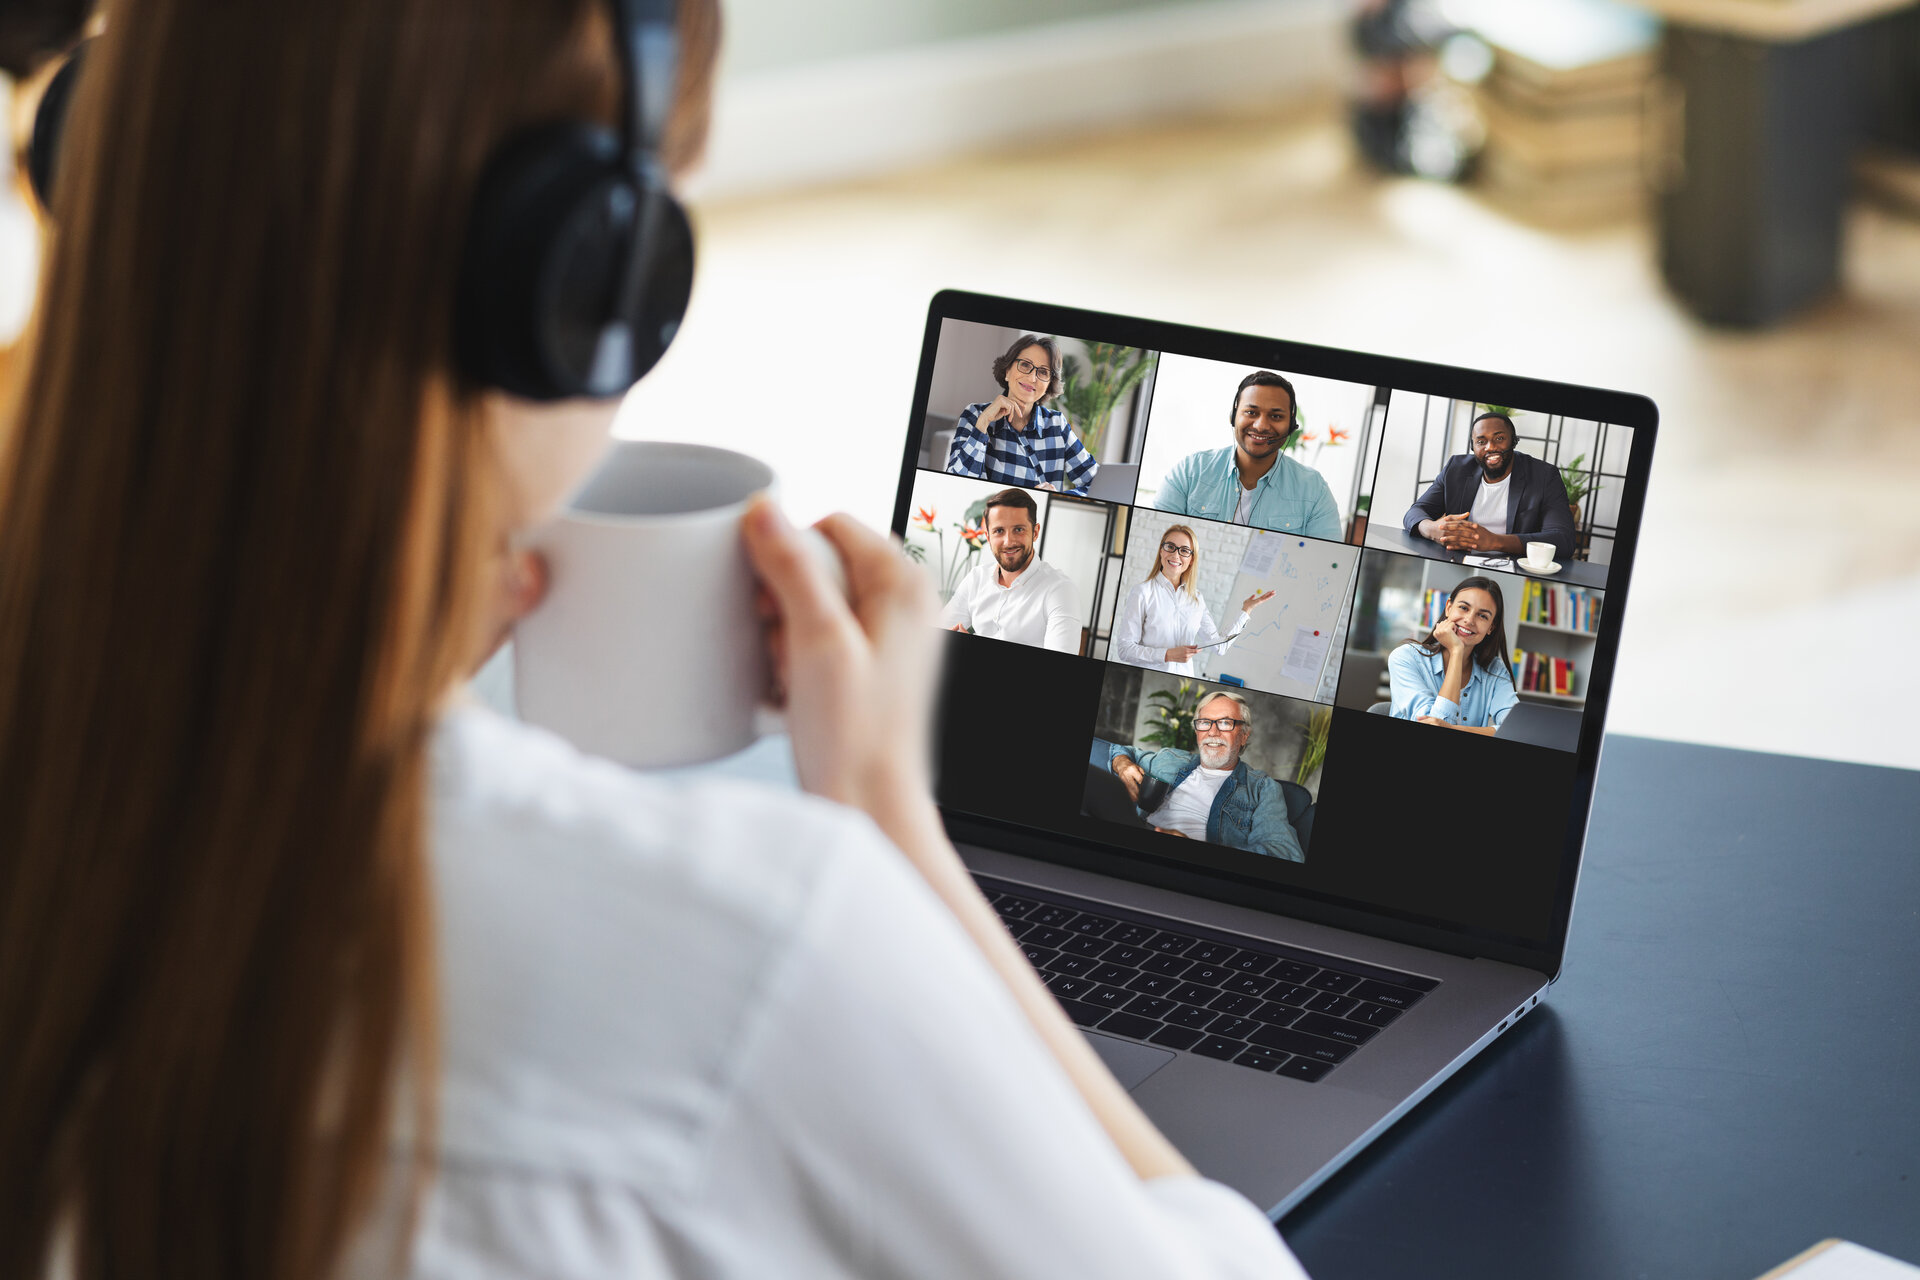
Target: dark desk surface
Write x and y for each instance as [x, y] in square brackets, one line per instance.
[1727, 1071]
[1391, 537]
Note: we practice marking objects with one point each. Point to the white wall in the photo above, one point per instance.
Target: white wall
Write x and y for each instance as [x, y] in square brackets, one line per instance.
[1193, 402]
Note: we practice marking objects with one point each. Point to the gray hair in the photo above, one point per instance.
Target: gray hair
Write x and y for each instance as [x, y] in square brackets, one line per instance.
[1246, 712]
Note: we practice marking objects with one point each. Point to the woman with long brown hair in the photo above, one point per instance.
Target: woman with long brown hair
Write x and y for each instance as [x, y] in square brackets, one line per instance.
[309, 967]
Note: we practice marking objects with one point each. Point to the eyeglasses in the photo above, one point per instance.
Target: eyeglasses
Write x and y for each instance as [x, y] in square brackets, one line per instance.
[1204, 726]
[1174, 548]
[1027, 366]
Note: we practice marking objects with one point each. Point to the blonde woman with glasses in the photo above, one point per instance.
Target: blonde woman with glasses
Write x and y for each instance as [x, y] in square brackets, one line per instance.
[1165, 620]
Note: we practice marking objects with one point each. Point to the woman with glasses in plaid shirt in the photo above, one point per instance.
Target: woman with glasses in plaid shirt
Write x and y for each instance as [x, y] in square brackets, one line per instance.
[1014, 438]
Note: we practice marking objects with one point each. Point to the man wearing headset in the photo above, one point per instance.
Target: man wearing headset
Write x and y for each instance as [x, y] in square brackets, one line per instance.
[1252, 482]
[1495, 499]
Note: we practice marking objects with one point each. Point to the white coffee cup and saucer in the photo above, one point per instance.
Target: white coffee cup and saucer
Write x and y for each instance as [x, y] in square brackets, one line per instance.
[1539, 559]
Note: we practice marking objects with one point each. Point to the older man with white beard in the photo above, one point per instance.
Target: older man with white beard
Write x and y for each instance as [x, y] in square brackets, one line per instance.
[1215, 796]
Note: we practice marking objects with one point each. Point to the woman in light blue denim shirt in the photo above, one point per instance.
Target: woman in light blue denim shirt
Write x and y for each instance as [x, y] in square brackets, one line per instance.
[1458, 676]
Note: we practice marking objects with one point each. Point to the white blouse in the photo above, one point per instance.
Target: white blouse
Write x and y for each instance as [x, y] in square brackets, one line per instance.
[1157, 616]
[712, 1029]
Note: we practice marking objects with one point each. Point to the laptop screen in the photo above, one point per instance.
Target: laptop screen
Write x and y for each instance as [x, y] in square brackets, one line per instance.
[1334, 626]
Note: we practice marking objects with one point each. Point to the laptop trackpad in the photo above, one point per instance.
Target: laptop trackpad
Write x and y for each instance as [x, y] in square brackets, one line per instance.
[1130, 1063]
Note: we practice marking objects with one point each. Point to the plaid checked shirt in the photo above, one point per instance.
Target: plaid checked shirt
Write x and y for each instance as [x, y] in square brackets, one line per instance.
[1048, 450]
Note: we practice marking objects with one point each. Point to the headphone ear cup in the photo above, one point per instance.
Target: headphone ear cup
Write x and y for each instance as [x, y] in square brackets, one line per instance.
[542, 275]
[49, 122]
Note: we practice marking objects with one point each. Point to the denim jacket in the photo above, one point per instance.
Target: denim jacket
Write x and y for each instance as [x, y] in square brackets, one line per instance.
[1249, 812]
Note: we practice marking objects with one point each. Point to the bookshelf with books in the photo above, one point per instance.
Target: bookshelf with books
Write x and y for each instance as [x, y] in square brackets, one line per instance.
[1551, 627]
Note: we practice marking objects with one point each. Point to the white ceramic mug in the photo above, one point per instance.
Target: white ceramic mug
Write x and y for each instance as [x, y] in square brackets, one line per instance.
[1539, 555]
[648, 648]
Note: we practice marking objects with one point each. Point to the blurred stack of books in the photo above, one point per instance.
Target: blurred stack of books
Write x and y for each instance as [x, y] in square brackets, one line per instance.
[1565, 105]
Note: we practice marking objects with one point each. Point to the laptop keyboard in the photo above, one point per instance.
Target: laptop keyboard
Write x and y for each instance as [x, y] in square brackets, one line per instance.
[1259, 1004]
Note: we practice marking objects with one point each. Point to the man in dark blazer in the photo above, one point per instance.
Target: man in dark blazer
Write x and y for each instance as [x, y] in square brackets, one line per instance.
[1495, 500]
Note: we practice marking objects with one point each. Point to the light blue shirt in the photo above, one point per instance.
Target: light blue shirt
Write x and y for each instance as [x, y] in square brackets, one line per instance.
[1415, 677]
[1291, 497]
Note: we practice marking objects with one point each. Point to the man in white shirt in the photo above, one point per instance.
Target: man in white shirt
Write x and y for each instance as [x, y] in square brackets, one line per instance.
[1016, 595]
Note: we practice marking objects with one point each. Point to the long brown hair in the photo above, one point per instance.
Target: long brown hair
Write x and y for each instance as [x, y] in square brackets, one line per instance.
[246, 516]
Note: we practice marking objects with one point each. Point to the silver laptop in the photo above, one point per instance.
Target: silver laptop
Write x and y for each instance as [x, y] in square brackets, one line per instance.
[1289, 883]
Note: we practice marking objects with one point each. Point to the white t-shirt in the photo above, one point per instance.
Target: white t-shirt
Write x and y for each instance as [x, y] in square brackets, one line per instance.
[1490, 504]
[1243, 509]
[717, 1030]
[1040, 608]
[1188, 808]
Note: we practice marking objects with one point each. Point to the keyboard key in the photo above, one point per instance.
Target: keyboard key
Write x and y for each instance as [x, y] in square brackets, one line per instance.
[1238, 1006]
[1327, 1002]
[1130, 935]
[1135, 956]
[1092, 924]
[1109, 997]
[1304, 1069]
[1070, 988]
[1293, 971]
[1126, 1024]
[1388, 994]
[1210, 974]
[1234, 1028]
[1189, 1016]
[1292, 995]
[1114, 973]
[1192, 993]
[1172, 944]
[1250, 962]
[1211, 952]
[1287, 1040]
[1374, 1015]
[1038, 955]
[1175, 1037]
[1328, 980]
[1084, 1014]
[1152, 1006]
[1154, 984]
[1019, 928]
[1085, 946]
[1275, 1014]
[1340, 1029]
[1013, 908]
[1168, 965]
[1261, 1059]
[1075, 965]
[1219, 1047]
[1046, 937]
[1247, 984]
[1052, 915]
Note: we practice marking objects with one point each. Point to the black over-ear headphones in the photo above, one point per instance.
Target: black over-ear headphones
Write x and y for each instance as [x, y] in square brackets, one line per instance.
[578, 261]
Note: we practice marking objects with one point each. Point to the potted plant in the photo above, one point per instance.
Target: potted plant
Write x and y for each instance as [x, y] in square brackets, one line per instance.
[955, 561]
[1579, 482]
[1314, 753]
[1172, 724]
[1089, 393]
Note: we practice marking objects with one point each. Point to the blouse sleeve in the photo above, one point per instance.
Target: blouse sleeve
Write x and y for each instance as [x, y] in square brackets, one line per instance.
[1411, 682]
[1129, 633]
[897, 1115]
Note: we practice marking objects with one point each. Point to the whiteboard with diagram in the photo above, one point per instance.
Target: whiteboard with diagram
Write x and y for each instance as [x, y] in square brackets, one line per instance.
[1290, 645]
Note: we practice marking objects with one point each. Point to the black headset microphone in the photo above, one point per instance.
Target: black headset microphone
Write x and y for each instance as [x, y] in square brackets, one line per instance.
[578, 261]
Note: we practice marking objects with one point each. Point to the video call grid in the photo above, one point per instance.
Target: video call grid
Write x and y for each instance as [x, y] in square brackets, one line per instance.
[1103, 614]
